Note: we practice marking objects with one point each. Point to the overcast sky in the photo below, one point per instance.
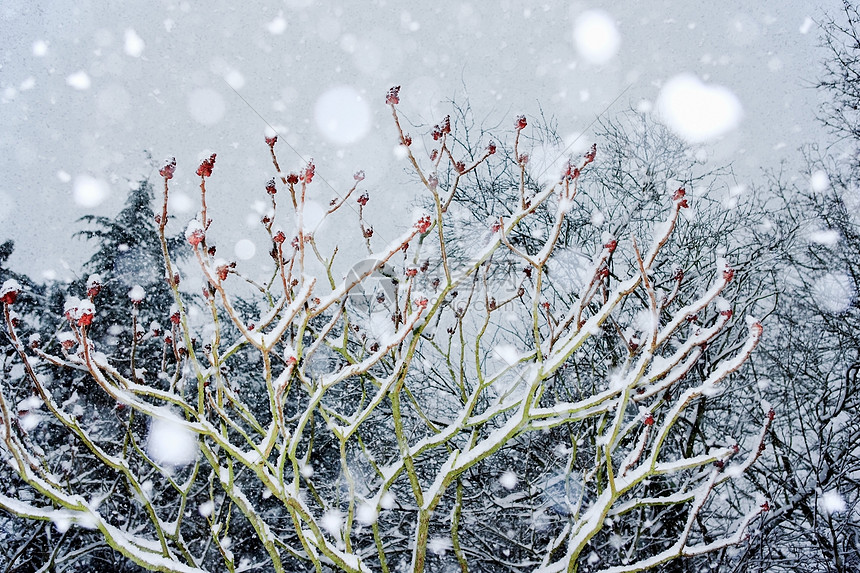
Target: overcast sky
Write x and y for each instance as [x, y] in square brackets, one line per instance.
[90, 89]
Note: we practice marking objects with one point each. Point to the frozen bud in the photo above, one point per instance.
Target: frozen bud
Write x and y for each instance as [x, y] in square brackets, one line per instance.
[520, 123]
[279, 237]
[271, 141]
[358, 175]
[434, 154]
[728, 274]
[86, 313]
[423, 224]
[393, 96]
[459, 167]
[307, 174]
[445, 126]
[174, 314]
[432, 181]
[168, 169]
[491, 148]
[524, 159]
[9, 291]
[14, 318]
[290, 355]
[67, 340]
[222, 270]
[406, 140]
[679, 197]
[270, 186]
[292, 178]
[368, 232]
[592, 153]
[411, 271]
[363, 199]
[194, 232]
[136, 294]
[205, 168]
[648, 420]
[35, 340]
[70, 308]
[611, 245]
[436, 134]
[421, 302]
[155, 328]
[94, 285]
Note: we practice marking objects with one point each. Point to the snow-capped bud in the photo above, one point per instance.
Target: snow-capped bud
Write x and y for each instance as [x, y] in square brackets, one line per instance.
[271, 141]
[649, 419]
[432, 181]
[520, 123]
[35, 340]
[679, 198]
[368, 232]
[174, 314]
[491, 148]
[86, 313]
[279, 237]
[168, 169]
[9, 291]
[393, 96]
[307, 174]
[292, 178]
[592, 153]
[70, 308]
[290, 355]
[94, 285]
[194, 232]
[271, 189]
[136, 294]
[222, 270]
[67, 340]
[358, 175]
[728, 274]
[406, 140]
[423, 224]
[421, 302]
[155, 328]
[363, 199]
[205, 169]
[14, 318]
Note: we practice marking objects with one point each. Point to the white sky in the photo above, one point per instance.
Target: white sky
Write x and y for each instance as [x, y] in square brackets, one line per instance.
[154, 81]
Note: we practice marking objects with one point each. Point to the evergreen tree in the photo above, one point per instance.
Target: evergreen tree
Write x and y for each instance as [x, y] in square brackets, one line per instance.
[128, 259]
